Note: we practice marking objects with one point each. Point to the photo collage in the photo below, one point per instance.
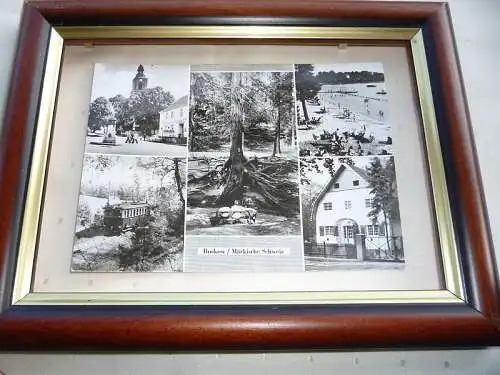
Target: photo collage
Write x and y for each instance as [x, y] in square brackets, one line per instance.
[222, 168]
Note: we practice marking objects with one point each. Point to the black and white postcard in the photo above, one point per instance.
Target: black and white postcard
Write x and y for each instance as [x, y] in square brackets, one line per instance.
[350, 213]
[243, 210]
[252, 111]
[342, 110]
[260, 198]
[139, 110]
[243, 163]
[130, 214]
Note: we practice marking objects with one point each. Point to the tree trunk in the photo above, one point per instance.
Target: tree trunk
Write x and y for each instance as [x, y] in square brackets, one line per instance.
[234, 185]
[387, 233]
[191, 140]
[277, 135]
[178, 180]
[304, 109]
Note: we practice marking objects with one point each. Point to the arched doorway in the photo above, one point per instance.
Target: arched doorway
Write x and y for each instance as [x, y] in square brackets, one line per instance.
[347, 229]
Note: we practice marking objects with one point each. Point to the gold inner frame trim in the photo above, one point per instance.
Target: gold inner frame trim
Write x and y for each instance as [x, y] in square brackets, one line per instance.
[451, 269]
[33, 203]
[247, 298]
[453, 292]
[235, 32]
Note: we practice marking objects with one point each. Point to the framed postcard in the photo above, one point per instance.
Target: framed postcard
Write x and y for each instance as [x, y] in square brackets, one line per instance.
[211, 176]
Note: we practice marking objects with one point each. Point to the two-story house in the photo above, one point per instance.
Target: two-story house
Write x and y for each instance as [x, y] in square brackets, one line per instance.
[174, 121]
[342, 214]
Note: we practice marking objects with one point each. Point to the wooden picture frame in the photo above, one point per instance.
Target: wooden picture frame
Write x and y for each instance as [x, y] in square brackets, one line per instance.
[464, 313]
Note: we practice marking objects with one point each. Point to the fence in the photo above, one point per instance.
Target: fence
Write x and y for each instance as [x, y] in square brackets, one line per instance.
[368, 248]
[345, 251]
[383, 248]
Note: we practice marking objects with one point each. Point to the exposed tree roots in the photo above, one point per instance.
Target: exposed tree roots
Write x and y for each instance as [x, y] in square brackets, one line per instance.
[269, 181]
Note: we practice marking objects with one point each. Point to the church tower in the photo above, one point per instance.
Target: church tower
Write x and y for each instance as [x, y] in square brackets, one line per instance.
[140, 81]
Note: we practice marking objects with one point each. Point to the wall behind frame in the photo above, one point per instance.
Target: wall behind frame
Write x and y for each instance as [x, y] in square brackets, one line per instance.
[477, 34]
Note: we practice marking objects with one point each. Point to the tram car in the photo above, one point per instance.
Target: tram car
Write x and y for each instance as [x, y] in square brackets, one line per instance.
[120, 217]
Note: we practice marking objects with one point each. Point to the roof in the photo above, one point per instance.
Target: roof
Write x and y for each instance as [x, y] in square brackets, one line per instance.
[127, 205]
[359, 171]
[179, 103]
[140, 72]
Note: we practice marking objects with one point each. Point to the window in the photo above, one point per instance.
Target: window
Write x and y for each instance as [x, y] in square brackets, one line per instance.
[347, 205]
[332, 231]
[355, 183]
[336, 185]
[363, 229]
[372, 230]
[348, 232]
[368, 203]
[327, 206]
[321, 231]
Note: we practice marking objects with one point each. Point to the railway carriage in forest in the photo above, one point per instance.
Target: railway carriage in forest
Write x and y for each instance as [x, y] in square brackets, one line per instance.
[118, 217]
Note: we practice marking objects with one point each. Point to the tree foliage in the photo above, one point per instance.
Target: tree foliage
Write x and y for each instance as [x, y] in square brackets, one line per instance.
[384, 190]
[306, 85]
[382, 179]
[98, 162]
[99, 114]
[142, 109]
[243, 109]
[83, 213]
[310, 166]
[122, 110]
[146, 105]
[152, 245]
[266, 97]
[281, 95]
[209, 119]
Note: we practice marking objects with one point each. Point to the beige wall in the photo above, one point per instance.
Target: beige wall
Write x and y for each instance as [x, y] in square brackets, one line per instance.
[478, 39]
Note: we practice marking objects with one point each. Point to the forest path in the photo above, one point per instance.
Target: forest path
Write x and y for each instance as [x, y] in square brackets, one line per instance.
[198, 224]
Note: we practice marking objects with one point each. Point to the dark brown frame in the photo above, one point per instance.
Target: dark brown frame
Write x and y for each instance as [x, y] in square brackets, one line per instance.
[251, 327]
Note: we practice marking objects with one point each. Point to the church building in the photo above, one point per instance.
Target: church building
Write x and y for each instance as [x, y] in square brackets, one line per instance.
[140, 81]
